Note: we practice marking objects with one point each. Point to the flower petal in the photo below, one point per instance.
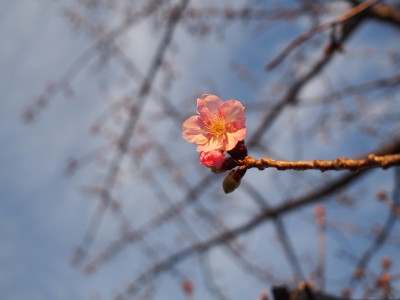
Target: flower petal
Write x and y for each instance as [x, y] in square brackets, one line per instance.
[233, 112]
[219, 126]
[234, 137]
[207, 105]
[192, 130]
[211, 144]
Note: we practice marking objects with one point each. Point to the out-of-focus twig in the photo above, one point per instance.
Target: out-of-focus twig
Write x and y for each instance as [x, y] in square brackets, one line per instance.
[64, 82]
[280, 231]
[320, 220]
[247, 13]
[388, 13]
[382, 235]
[308, 34]
[290, 97]
[208, 277]
[265, 215]
[365, 87]
[135, 111]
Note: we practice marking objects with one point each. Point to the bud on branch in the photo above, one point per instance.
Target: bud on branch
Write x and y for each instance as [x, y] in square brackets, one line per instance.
[220, 127]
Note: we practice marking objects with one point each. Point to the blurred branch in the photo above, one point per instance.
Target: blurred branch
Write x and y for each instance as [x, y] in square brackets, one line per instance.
[231, 13]
[265, 215]
[320, 220]
[353, 230]
[384, 232]
[391, 206]
[283, 293]
[64, 82]
[208, 277]
[262, 274]
[291, 96]
[308, 34]
[356, 89]
[74, 164]
[281, 232]
[388, 13]
[167, 173]
[134, 113]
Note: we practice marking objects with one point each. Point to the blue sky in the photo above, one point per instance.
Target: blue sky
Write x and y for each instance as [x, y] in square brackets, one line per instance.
[43, 214]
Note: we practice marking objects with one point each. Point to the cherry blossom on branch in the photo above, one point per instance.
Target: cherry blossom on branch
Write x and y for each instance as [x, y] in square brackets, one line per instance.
[219, 126]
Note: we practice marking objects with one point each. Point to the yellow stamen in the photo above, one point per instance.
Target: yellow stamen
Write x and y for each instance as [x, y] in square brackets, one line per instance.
[216, 125]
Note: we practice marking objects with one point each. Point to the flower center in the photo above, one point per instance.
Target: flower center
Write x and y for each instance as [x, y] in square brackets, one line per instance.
[216, 125]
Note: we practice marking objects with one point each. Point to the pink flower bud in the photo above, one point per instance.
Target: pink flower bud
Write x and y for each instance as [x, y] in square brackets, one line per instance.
[212, 158]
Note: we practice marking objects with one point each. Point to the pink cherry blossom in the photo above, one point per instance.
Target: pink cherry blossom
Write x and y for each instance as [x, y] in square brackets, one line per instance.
[219, 126]
[213, 158]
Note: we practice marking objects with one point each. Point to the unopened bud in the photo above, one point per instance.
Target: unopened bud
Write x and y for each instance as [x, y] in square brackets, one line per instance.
[358, 273]
[381, 195]
[231, 182]
[385, 278]
[383, 282]
[264, 295]
[386, 262]
[319, 212]
[347, 292]
[187, 287]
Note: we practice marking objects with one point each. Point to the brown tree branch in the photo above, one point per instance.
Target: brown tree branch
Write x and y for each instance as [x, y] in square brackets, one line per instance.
[388, 13]
[353, 165]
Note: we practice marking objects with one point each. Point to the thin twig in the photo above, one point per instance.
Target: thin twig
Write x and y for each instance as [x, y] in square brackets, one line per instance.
[291, 96]
[192, 195]
[266, 215]
[365, 87]
[383, 234]
[281, 233]
[208, 277]
[321, 224]
[135, 111]
[308, 34]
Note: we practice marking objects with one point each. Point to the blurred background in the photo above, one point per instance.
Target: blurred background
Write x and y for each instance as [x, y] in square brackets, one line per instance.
[102, 198]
